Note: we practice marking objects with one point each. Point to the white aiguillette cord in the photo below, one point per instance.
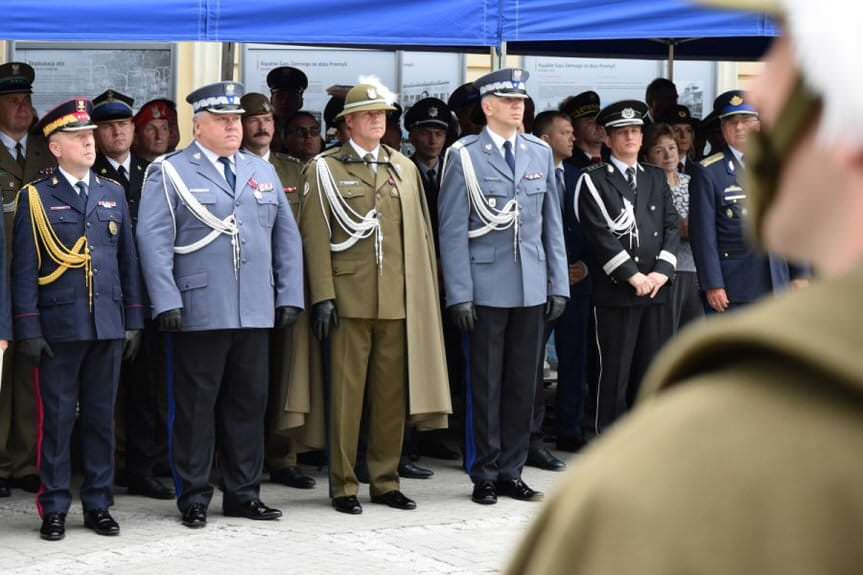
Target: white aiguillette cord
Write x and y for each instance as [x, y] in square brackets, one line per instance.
[357, 227]
[623, 224]
[492, 218]
[227, 226]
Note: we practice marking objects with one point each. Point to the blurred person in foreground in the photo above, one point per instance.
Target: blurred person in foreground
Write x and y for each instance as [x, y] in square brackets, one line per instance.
[681, 487]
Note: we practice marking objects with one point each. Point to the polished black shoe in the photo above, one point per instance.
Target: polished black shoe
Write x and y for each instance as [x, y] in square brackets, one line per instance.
[395, 499]
[149, 487]
[570, 444]
[53, 527]
[438, 450]
[5, 489]
[517, 489]
[410, 470]
[100, 521]
[29, 483]
[348, 504]
[292, 476]
[543, 458]
[252, 509]
[195, 516]
[484, 493]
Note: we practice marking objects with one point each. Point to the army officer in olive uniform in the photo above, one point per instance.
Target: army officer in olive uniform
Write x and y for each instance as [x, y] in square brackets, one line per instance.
[295, 379]
[373, 279]
[504, 268]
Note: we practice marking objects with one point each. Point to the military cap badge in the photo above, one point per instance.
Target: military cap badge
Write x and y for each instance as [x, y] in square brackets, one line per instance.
[229, 89]
[736, 101]
[372, 93]
[433, 112]
[627, 113]
[81, 105]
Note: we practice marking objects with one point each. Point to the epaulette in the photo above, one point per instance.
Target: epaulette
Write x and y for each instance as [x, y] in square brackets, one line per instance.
[165, 156]
[535, 140]
[288, 157]
[42, 177]
[107, 179]
[594, 167]
[466, 140]
[710, 160]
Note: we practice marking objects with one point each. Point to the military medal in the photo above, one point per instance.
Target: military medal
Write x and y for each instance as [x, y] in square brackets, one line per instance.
[259, 195]
[112, 227]
[730, 213]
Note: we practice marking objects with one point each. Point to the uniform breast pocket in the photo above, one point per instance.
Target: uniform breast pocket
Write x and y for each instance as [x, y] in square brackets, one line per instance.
[535, 191]
[356, 199]
[66, 224]
[110, 222]
[267, 208]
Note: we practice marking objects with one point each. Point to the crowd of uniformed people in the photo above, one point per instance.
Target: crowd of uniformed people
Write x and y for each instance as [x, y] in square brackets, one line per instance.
[266, 298]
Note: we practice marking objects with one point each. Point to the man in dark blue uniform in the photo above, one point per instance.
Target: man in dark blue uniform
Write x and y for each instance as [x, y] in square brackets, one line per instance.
[139, 424]
[76, 291]
[730, 271]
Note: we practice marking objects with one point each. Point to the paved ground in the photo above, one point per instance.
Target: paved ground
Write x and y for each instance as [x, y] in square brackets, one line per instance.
[446, 535]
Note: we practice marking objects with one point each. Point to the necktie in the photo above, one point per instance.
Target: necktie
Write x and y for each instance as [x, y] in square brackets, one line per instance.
[630, 177]
[432, 182]
[680, 167]
[82, 192]
[370, 162]
[229, 173]
[508, 155]
[19, 154]
[124, 178]
[561, 184]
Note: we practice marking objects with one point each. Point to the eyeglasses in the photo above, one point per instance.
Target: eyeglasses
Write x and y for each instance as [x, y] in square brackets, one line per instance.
[305, 132]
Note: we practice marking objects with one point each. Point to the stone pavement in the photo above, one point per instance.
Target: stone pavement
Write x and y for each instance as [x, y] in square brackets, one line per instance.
[446, 535]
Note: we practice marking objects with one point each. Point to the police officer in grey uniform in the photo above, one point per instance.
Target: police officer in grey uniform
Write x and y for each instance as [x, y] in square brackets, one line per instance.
[504, 269]
[222, 259]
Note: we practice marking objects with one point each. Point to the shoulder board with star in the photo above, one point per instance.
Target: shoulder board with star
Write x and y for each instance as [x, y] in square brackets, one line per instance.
[465, 141]
[101, 178]
[594, 167]
[288, 158]
[710, 160]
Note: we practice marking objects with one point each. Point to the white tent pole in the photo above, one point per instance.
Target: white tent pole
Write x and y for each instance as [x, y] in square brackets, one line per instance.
[670, 73]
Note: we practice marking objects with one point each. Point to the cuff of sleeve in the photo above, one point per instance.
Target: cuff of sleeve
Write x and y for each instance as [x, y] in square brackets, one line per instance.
[615, 262]
[669, 257]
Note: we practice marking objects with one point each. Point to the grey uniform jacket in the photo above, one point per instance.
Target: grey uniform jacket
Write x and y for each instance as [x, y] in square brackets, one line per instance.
[204, 283]
[484, 270]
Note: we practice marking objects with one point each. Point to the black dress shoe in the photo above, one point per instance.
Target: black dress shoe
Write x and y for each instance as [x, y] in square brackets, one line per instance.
[362, 473]
[395, 499]
[570, 444]
[29, 483]
[5, 490]
[517, 489]
[149, 487]
[252, 509]
[484, 493]
[195, 516]
[348, 504]
[100, 521]
[292, 476]
[413, 471]
[53, 527]
[543, 458]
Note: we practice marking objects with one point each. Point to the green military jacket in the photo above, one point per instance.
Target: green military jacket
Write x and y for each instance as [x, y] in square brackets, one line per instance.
[361, 288]
[13, 177]
[741, 457]
[290, 171]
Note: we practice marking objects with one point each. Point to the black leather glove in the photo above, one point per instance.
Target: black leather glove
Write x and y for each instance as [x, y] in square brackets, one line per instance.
[171, 320]
[132, 345]
[463, 315]
[32, 349]
[286, 316]
[554, 308]
[325, 316]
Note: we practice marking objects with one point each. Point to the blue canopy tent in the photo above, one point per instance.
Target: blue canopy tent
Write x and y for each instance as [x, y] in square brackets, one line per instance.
[457, 25]
[658, 29]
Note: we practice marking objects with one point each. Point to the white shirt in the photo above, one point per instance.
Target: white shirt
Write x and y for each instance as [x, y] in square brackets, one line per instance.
[214, 159]
[73, 180]
[499, 141]
[361, 152]
[738, 155]
[10, 144]
[623, 167]
[127, 163]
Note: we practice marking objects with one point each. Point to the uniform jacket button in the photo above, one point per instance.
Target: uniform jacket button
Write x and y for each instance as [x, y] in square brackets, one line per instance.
[656, 234]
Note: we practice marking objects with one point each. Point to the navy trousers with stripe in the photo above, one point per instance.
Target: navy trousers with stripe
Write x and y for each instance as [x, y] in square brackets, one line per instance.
[85, 374]
[503, 350]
